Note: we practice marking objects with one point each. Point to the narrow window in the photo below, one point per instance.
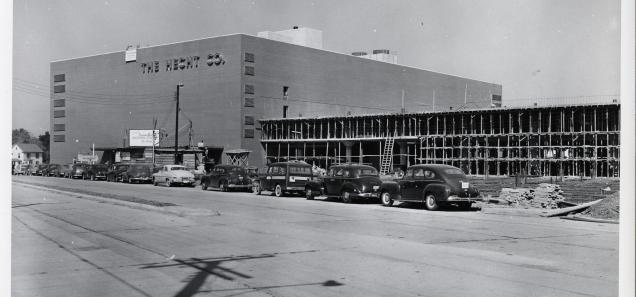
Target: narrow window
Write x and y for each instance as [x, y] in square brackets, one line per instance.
[59, 89]
[59, 113]
[249, 89]
[59, 78]
[59, 127]
[59, 138]
[59, 103]
[249, 120]
[249, 133]
[249, 57]
[249, 102]
[249, 70]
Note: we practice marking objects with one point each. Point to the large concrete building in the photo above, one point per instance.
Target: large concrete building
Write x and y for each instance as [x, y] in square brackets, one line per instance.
[229, 83]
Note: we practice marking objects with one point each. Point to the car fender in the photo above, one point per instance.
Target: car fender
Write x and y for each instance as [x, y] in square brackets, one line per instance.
[351, 187]
[390, 187]
[438, 189]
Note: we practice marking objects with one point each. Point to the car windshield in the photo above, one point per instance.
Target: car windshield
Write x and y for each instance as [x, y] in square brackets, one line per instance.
[237, 170]
[101, 167]
[177, 168]
[367, 172]
[454, 172]
[299, 170]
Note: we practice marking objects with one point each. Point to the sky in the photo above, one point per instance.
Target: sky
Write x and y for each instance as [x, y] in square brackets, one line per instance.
[533, 48]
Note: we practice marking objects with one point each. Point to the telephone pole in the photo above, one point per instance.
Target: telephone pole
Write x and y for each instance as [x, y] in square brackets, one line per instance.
[176, 126]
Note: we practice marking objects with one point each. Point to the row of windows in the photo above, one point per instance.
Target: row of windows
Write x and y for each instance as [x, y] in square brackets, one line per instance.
[249, 102]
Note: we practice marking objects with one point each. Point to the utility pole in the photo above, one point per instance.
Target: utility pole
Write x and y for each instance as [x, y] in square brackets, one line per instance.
[190, 135]
[176, 126]
[154, 128]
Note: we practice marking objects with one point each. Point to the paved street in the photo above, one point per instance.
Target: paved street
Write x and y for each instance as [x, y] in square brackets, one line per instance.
[240, 244]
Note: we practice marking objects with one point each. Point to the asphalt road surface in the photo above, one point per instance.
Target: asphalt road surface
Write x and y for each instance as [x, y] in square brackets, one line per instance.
[78, 238]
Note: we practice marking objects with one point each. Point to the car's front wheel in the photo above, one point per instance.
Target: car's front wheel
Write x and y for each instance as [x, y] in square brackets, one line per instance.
[256, 188]
[204, 186]
[278, 191]
[223, 186]
[386, 199]
[430, 203]
[346, 197]
[168, 183]
[309, 194]
[154, 182]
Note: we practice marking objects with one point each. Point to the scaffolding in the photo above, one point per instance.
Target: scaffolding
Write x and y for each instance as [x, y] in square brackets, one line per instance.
[572, 140]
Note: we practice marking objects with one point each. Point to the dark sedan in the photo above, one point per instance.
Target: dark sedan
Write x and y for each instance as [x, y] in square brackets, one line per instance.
[226, 177]
[116, 171]
[78, 171]
[434, 185]
[96, 172]
[41, 170]
[54, 170]
[137, 173]
[348, 181]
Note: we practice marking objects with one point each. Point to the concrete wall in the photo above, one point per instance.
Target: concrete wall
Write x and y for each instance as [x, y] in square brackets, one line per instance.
[106, 96]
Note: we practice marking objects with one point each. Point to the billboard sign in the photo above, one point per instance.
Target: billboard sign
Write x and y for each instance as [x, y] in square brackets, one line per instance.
[87, 158]
[144, 137]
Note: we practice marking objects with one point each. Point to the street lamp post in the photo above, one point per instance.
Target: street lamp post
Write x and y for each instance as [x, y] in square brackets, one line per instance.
[176, 125]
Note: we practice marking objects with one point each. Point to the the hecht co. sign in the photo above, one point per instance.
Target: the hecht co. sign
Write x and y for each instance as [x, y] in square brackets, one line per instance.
[182, 63]
[144, 137]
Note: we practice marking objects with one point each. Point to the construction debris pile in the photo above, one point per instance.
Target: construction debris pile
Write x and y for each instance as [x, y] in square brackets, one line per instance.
[546, 196]
[608, 208]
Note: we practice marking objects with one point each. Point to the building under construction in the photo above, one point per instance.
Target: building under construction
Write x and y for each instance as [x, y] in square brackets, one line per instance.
[572, 140]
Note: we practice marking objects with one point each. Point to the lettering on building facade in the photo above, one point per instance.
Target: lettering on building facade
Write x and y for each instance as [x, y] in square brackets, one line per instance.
[182, 63]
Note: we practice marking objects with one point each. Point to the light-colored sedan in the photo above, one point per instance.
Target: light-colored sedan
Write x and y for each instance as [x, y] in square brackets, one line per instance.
[173, 175]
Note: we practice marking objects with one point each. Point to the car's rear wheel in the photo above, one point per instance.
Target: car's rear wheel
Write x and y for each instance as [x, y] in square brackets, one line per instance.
[168, 183]
[309, 194]
[430, 203]
[204, 186]
[154, 182]
[223, 186]
[92, 177]
[256, 188]
[386, 199]
[278, 191]
[346, 197]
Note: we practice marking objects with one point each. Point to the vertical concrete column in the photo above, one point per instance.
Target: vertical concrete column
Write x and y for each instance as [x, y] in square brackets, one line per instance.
[402, 148]
[348, 145]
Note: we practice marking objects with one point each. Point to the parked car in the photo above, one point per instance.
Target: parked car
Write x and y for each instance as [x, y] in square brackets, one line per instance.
[347, 181]
[95, 172]
[173, 175]
[434, 185]
[284, 177]
[139, 173]
[115, 172]
[21, 169]
[41, 170]
[226, 177]
[78, 171]
[54, 170]
[66, 170]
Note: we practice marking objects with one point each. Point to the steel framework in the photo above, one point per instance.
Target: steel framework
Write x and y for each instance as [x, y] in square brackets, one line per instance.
[572, 140]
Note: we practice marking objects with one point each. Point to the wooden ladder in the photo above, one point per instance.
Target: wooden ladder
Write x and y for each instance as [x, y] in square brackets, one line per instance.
[386, 159]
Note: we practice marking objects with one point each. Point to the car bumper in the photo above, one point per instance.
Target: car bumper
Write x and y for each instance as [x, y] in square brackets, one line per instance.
[455, 198]
[366, 195]
[141, 179]
[235, 186]
[295, 189]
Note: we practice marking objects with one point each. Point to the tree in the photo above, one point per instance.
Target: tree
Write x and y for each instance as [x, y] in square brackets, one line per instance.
[45, 144]
[21, 135]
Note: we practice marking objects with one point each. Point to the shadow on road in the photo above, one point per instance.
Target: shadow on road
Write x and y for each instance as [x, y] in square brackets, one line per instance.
[212, 266]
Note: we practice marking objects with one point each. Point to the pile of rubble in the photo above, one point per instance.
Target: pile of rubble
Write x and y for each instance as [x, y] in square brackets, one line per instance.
[546, 196]
[608, 208]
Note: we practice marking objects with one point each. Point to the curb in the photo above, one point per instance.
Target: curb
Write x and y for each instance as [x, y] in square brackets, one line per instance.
[522, 212]
[173, 210]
